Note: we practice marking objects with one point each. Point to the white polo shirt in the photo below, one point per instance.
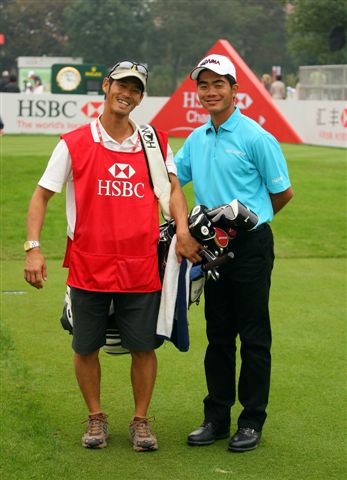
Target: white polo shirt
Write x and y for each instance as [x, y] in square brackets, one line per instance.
[59, 168]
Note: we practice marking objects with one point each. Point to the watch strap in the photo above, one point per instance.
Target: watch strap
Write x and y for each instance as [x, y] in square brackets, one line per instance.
[30, 244]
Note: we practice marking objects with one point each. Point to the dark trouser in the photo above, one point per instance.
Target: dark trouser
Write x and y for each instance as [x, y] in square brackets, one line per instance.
[237, 304]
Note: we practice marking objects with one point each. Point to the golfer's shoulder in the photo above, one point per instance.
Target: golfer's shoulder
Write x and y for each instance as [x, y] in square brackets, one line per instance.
[252, 129]
[197, 133]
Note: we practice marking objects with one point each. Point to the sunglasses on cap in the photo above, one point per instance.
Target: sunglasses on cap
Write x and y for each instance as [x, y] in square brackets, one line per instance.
[127, 65]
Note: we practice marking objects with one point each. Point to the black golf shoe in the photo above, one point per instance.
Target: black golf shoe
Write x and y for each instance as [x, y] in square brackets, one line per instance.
[206, 434]
[244, 439]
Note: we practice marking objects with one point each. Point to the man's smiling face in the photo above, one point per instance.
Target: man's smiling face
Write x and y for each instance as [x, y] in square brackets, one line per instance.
[122, 96]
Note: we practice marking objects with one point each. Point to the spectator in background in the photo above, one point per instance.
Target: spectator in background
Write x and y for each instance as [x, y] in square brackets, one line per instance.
[278, 89]
[5, 77]
[297, 91]
[266, 81]
[36, 82]
[12, 86]
[1, 127]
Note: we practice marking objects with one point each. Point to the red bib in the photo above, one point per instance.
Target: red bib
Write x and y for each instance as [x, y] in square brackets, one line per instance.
[117, 221]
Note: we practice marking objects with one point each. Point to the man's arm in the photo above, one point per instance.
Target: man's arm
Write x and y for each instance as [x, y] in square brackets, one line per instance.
[35, 270]
[279, 200]
[186, 245]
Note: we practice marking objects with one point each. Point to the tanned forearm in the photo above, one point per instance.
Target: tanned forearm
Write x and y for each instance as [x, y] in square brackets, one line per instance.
[279, 200]
[35, 270]
[186, 245]
[37, 212]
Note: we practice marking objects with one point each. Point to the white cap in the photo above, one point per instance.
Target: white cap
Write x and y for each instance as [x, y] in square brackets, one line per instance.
[129, 73]
[127, 68]
[217, 63]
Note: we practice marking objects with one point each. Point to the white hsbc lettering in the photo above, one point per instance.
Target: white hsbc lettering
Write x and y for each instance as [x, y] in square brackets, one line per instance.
[191, 100]
[116, 188]
[194, 117]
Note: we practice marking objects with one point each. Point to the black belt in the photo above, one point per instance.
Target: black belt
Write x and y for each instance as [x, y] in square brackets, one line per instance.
[254, 230]
[261, 227]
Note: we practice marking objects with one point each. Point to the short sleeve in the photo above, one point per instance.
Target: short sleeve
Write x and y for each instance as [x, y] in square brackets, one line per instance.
[58, 170]
[271, 164]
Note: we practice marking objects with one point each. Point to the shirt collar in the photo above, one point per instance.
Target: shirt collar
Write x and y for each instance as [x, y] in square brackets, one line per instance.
[106, 137]
[230, 124]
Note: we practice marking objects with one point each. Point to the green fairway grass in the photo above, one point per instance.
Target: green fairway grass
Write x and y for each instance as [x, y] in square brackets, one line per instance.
[304, 436]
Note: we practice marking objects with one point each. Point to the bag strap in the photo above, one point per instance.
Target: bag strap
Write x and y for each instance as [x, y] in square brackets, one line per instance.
[158, 173]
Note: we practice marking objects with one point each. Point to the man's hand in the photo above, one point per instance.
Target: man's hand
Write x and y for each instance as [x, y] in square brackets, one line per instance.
[35, 270]
[188, 247]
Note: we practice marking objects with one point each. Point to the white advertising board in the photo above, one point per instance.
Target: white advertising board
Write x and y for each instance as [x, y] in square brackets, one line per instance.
[317, 122]
[56, 114]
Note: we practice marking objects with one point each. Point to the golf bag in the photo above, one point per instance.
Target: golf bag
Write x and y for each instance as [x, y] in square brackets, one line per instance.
[213, 229]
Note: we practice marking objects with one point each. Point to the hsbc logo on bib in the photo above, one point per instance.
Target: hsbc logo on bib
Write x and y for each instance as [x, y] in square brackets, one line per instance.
[121, 170]
[120, 187]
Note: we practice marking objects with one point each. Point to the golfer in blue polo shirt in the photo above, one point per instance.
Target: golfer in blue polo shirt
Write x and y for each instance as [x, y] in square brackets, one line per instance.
[232, 157]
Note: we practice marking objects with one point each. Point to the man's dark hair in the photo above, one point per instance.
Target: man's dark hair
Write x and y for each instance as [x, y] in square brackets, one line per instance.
[230, 78]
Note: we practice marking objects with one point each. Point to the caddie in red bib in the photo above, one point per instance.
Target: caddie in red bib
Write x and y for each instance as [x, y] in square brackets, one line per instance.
[111, 254]
[117, 223]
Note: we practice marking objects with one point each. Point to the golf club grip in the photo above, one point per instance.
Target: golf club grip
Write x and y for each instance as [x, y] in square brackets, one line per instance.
[218, 262]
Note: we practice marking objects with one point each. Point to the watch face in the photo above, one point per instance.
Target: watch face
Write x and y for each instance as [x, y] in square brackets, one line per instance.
[68, 78]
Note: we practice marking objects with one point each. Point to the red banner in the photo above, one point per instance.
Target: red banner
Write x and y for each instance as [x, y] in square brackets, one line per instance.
[183, 112]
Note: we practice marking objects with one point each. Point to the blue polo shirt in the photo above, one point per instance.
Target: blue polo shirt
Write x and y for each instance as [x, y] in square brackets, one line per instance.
[241, 160]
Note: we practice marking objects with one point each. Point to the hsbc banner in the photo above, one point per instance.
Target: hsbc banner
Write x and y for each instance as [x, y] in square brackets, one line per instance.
[54, 114]
[57, 114]
[319, 122]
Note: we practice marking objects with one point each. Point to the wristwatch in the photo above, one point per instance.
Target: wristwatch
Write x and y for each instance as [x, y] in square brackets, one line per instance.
[30, 244]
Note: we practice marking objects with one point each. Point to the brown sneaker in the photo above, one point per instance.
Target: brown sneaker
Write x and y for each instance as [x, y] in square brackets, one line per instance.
[97, 431]
[141, 436]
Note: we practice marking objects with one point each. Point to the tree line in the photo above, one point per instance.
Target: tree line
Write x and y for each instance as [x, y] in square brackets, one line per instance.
[170, 36]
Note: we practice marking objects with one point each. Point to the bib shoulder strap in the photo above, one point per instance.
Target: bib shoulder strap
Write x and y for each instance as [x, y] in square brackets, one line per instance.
[157, 169]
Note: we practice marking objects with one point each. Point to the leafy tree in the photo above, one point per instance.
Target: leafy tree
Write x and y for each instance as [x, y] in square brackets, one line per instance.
[183, 31]
[172, 35]
[31, 28]
[310, 24]
[105, 31]
[98, 30]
